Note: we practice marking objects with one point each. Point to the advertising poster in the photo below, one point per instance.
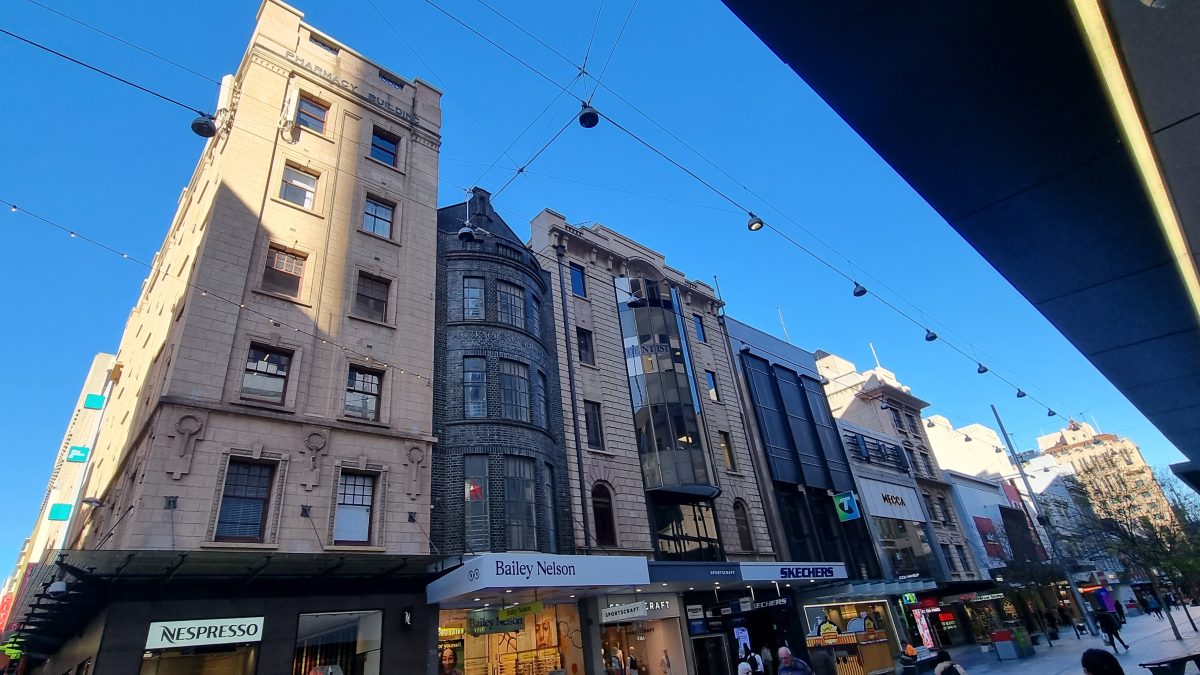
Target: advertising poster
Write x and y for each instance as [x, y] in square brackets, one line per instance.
[450, 657]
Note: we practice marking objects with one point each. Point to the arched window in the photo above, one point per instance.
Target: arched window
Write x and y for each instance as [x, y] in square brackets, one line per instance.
[602, 511]
[742, 520]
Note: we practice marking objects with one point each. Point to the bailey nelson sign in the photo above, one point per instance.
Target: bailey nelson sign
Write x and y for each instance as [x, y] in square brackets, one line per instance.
[530, 570]
[177, 634]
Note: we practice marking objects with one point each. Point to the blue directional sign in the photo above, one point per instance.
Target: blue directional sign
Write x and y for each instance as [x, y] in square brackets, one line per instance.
[78, 453]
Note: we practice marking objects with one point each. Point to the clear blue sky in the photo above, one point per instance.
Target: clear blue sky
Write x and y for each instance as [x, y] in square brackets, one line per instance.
[110, 161]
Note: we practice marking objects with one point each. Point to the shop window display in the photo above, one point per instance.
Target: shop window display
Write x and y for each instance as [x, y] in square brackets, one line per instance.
[338, 643]
[477, 642]
[859, 633]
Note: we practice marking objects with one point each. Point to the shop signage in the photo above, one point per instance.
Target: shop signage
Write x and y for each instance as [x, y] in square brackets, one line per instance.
[800, 571]
[847, 506]
[927, 603]
[695, 611]
[78, 453]
[777, 602]
[530, 570]
[485, 621]
[913, 575]
[894, 500]
[523, 609]
[989, 596]
[176, 634]
[450, 631]
[744, 604]
[909, 598]
[890, 500]
[688, 571]
[619, 613]
[350, 86]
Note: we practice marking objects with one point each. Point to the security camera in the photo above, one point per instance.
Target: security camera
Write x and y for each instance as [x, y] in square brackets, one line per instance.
[57, 590]
[466, 233]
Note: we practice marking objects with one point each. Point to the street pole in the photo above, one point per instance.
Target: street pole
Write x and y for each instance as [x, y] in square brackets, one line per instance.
[1062, 563]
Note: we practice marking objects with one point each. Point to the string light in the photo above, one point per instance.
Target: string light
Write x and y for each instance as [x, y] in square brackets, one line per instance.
[859, 290]
[930, 336]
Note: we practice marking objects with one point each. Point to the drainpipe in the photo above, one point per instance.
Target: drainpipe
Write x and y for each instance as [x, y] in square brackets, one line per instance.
[560, 250]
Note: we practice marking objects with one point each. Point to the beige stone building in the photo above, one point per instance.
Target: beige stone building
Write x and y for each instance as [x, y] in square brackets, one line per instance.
[1118, 482]
[272, 384]
[666, 468]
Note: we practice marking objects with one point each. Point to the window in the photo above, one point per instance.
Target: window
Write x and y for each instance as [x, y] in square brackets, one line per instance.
[542, 404]
[520, 495]
[535, 316]
[897, 420]
[371, 297]
[710, 380]
[699, 323]
[950, 561]
[510, 304]
[311, 114]
[727, 450]
[742, 520]
[925, 459]
[377, 217]
[578, 281]
[933, 514]
[548, 509]
[962, 557]
[509, 252]
[474, 386]
[243, 514]
[514, 390]
[912, 423]
[945, 510]
[390, 81]
[362, 393]
[602, 512]
[352, 521]
[323, 45]
[336, 642]
[583, 338]
[283, 273]
[298, 187]
[266, 373]
[384, 147]
[472, 297]
[475, 511]
[591, 421]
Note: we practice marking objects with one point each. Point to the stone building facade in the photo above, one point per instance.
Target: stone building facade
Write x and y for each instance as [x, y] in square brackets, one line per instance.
[276, 366]
[649, 401]
[499, 478]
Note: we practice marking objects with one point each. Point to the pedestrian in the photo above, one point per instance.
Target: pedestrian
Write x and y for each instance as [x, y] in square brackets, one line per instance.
[1110, 627]
[790, 665]
[1155, 607]
[1100, 662]
[908, 658]
[823, 662]
[944, 665]
[767, 659]
[755, 661]
[1145, 604]
[744, 668]
[1120, 612]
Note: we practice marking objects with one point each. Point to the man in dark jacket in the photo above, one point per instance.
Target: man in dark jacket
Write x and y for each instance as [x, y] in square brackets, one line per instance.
[822, 662]
[1110, 627]
[790, 665]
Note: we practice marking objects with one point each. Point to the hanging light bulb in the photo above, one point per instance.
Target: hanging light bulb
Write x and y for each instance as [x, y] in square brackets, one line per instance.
[1021, 394]
[13, 208]
[1050, 413]
[859, 290]
[930, 424]
[755, 223]
[930, 336]
[588, 117]
[981, 369]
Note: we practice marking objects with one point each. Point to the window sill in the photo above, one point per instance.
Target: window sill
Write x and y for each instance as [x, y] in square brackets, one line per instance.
[386, 166]
[280, 296]
[290, 205]
[379, 237]
[601, 452]
[364, 319]
[359, 548]
[262, 404]
[315, 134]
[364, 422]
[735, 472]
[240, 544]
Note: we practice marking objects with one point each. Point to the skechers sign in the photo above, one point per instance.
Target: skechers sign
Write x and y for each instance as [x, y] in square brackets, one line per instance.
[799, 571]
[174, 634]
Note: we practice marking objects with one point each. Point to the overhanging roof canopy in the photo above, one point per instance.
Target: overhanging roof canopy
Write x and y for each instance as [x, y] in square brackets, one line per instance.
[996, 113]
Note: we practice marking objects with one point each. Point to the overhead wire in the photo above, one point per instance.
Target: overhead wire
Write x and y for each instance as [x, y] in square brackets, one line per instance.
[613, 50]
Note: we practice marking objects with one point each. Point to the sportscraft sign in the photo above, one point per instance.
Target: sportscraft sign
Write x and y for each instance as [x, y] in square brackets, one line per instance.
[175, 634]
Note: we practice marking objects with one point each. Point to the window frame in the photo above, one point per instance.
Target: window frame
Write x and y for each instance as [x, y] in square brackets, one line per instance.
[525, 502]
[585, 356]
[310, 194]
[359, 305]
[378, 132]
[264, 514]
[375, 218]
[483, 520]
[710, 381]
[698, 324]
[741, 522]
[520, 395]
[291, 357]
[593, 423]
[269, 266]
[347, 390]
[302, 114]
[480, 299]
[481, 383]
[371, 512]
[725, 443]
[606, 534]
[510, 303]
[578, 283]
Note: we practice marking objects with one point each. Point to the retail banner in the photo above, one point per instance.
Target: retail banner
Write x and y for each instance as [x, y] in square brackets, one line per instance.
[619, 613]
[991, 540]
[890, 500]
[177, 634]
[530, 570]
[793, 571]
[523, 609]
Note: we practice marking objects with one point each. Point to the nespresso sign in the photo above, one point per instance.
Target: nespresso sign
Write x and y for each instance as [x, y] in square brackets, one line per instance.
[174, 634]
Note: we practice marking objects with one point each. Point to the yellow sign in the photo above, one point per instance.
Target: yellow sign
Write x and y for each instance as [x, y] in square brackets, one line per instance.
[523, 609]
[449, 631]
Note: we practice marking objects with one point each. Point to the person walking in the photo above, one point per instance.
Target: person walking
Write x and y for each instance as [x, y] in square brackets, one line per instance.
[790, 665]
[822, 662]
[744, 668]
[1155, 607]
[1120, 611]
[1100, 662]
[944, 665]
[1110, 627]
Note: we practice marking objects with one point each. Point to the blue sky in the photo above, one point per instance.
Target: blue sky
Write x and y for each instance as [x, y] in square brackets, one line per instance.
[110, 161]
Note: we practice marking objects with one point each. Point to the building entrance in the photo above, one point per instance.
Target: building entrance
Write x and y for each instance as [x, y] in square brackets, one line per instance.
[712, 655]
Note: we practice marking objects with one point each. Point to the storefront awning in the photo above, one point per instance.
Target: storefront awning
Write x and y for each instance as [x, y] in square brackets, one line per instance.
[678, 577]
[866, 590]
[497, 579]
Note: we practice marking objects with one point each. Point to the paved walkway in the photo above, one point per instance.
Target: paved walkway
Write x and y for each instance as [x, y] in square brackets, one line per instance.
[1149, 639]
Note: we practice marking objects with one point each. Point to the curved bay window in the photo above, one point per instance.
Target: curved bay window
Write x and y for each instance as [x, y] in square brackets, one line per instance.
[662, 386]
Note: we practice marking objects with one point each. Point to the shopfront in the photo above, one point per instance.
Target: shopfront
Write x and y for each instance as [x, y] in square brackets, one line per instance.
[899, 527]
[861, 635]
[641, 634]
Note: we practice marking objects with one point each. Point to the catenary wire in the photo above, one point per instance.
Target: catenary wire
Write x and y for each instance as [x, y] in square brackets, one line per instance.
[612, 51]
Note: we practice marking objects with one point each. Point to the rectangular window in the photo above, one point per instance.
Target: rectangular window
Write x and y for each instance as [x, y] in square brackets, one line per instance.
[266, 373]
[384, 147]
[332, 642]
[587, 354]
[472, 297]
[535, 316]
[578, 281]
[950, 561]
[945, 509]
[371, 297]
[299, 187]
[710, 381]
[962, 557]
[362, 393]
[520, 496]
[377, 217]
[283, 272]
[592, 422]
[475, 507]
[897, 420]
[699, 323]
[727, 450]
[474, 386]
[311, 114]
[509, 252]
[548, 508]
[244, 501]
[352, 521]
[913, 426]
[323, 45]
[544, 399]
[514, 390]
[510, 304]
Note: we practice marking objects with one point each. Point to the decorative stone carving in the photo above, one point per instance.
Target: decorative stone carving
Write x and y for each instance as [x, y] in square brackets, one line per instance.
[413, 474]
[183, 443]
[316, 445]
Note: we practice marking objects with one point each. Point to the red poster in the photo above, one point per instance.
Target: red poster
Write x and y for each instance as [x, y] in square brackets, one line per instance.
[987, 532]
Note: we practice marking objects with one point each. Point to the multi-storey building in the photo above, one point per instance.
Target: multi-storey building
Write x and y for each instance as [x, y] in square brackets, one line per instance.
[264, 457]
